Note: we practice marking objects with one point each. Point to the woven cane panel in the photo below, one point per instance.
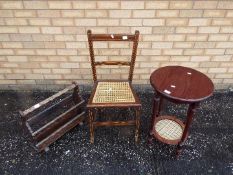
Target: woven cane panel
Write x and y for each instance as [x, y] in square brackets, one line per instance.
[169, 129]
[113, 92]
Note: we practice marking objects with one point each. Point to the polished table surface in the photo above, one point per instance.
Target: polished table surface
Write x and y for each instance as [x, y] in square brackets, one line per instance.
[181, 83]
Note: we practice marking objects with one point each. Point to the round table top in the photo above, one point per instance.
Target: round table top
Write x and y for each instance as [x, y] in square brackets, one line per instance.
[181, 83]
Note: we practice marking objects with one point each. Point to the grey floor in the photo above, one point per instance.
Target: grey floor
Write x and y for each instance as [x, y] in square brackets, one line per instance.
[208, 150]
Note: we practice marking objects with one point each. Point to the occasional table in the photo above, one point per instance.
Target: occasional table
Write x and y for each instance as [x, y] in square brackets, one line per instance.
[179, 85]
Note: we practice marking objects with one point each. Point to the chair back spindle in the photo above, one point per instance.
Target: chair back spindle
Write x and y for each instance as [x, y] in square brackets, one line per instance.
[113, 37]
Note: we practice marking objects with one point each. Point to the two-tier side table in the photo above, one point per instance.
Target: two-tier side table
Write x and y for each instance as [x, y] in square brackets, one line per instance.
[180, 85]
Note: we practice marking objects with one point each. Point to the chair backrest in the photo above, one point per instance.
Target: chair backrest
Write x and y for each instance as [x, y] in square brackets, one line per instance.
[113, 37]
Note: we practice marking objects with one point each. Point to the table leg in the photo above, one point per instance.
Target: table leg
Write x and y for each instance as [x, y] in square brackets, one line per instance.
[190, 113]
[160, 106]
[155, 110]
[155, 113]
[90, 113]
[137, 111]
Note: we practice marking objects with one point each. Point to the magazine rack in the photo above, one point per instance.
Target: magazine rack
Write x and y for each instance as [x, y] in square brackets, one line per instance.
[51, 118]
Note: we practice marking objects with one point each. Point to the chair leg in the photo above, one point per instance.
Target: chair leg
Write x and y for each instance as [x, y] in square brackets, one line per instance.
[137, 124]
[90, 113]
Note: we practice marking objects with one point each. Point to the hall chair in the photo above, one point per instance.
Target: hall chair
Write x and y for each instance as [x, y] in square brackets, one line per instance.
[114, 94]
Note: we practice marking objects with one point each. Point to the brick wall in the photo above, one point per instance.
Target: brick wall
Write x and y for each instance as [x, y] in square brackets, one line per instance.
[44, 42]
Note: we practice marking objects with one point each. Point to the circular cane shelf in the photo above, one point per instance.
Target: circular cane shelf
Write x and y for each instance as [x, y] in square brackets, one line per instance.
[168, 129]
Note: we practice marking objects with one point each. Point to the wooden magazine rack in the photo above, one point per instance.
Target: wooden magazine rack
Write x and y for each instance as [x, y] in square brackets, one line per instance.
[50, 119]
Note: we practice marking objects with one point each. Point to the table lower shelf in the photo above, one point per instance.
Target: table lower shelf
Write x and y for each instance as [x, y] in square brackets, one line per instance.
[168, 129]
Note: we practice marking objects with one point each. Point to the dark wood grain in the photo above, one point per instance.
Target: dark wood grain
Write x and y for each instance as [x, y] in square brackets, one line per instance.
[179, 85]
[66, 114]
[60, 132]
[93, 108]
[113, 37]
[122, 63]
[190, 85]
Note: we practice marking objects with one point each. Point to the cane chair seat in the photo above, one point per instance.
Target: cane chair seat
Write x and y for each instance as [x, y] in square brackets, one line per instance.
[113, 92]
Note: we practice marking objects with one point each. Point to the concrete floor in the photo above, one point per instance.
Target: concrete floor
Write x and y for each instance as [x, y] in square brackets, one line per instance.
[208, 150]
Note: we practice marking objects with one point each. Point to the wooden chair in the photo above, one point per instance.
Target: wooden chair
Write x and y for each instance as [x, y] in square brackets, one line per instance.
[113, 93]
